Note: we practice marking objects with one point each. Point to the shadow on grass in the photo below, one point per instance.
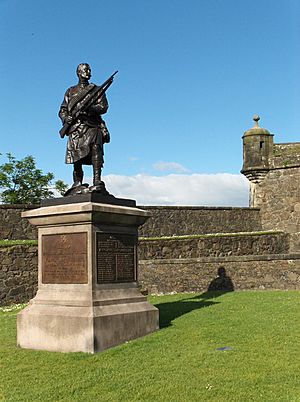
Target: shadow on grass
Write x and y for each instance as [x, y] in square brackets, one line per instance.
[172, 310]
[217, 287]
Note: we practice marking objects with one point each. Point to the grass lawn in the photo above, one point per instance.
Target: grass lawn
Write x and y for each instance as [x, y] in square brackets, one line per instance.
[8, 243]
[181, 362]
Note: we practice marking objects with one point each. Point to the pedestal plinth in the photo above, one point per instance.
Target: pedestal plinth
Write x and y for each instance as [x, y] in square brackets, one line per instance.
[87, 299]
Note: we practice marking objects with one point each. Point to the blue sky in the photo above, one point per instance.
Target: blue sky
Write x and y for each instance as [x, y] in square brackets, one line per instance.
[191, 75]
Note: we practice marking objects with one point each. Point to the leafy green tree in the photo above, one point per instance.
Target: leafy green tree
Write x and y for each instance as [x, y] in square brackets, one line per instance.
[22, 183]
[61, 187]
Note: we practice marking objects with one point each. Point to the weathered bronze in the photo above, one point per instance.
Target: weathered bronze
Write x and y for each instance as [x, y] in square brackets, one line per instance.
[116, 258]
[64, 258]
[80, 113]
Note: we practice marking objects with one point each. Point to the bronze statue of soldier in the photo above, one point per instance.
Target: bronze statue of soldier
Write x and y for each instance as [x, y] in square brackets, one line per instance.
[81, 112]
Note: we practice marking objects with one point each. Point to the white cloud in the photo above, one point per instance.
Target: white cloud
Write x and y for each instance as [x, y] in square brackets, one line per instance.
[221, 189]
[169, 167]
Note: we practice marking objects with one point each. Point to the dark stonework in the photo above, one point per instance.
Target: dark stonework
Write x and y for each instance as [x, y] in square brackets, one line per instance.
[18, 274]
[164, 220]
[214, 246]
[64, 258]
[285, 155]
[244, 272]
[278, 197]
[176, 220]
[116, 258]
[13, 226]
[274, 174]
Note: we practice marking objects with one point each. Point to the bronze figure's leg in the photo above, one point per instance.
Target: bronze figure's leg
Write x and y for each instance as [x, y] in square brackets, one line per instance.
[97, 165]
[97, 162]
[77, 174]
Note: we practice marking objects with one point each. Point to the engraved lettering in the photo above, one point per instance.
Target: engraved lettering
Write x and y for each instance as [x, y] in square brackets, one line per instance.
[64, 258]
[116, 258]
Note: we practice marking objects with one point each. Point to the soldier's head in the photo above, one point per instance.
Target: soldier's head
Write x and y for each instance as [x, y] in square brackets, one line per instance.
[83, 71]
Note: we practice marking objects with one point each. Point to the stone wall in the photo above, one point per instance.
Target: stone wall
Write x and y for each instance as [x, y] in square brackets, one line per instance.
[214, 246]
[235, 273]
[244, 261]
[18, 274]
[165, 221]
[285, 155]
[278, 197]
[13, 226]
[253, 261]
[168, 221]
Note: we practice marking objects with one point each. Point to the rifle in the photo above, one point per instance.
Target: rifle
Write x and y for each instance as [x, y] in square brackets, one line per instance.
[87, 102]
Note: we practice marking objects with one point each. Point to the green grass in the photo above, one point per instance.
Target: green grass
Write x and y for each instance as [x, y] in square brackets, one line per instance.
[8, 243]
[200, 236]
[178, 363]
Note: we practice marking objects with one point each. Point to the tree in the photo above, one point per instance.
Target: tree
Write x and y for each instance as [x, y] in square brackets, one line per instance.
[61, 187]
[22, 183]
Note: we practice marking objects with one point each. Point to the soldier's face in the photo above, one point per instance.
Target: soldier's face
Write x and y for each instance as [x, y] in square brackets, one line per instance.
[85, 72]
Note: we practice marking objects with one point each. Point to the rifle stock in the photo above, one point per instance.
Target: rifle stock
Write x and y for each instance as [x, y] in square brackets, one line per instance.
[64, 130]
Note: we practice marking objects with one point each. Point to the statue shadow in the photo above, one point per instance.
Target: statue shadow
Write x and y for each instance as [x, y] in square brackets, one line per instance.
[222, 283]
[219, 286]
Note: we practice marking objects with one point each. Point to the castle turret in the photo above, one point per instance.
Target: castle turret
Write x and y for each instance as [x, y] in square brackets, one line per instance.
[257, 152]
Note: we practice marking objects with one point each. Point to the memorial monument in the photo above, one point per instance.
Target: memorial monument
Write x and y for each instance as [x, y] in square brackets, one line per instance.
[88, 298]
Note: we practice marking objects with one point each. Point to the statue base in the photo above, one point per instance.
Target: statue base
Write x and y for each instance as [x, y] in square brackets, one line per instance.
[88, 298]
[85, 189]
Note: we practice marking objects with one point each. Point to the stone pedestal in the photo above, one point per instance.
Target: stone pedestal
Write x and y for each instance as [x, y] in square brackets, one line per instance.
[87, 299]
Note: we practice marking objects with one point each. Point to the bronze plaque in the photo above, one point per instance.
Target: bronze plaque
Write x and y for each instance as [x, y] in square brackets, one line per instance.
[116, 257]
[64, 258]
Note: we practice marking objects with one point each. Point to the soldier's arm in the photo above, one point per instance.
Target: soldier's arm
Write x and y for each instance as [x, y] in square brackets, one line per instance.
[100, 106]
[63, 111]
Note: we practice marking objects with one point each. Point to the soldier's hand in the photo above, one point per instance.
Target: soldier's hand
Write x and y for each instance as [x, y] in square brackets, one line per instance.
[106, 138]
[83, 114]
[68, 120]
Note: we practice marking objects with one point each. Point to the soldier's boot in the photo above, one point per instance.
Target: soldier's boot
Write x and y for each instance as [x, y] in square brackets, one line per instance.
[97, 176]
[98, 185]
[97, 161]
[77, 176]
[76, 187]
[97, 165]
